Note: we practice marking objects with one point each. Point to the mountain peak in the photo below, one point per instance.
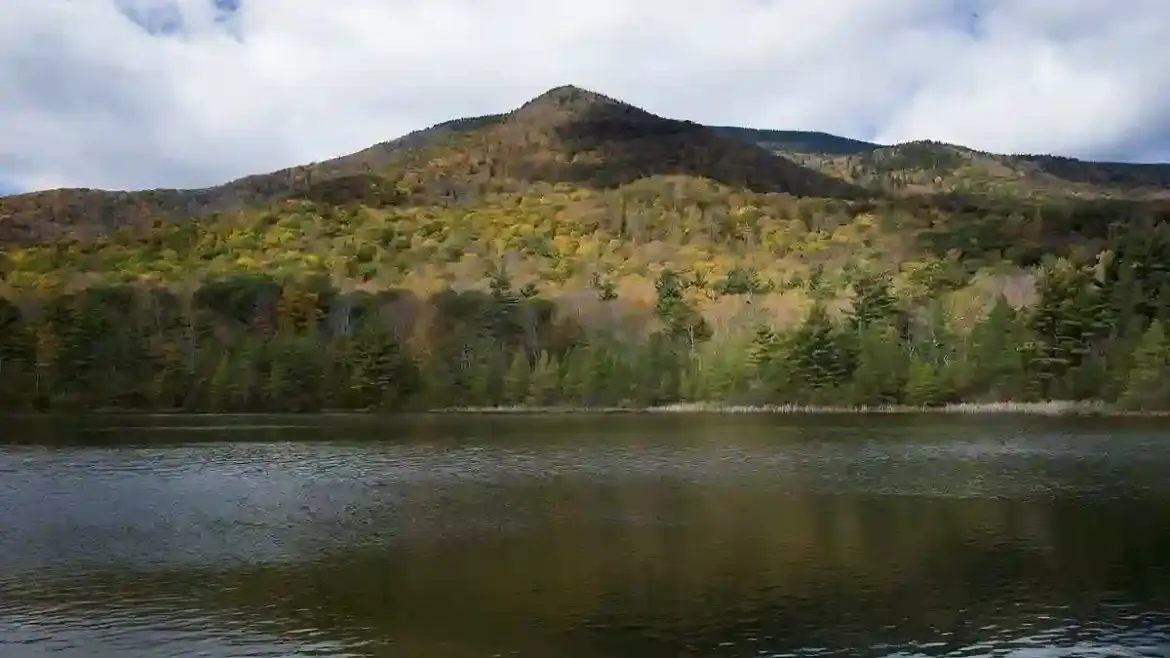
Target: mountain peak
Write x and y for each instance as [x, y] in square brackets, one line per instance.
[563, 102]
[570, 95]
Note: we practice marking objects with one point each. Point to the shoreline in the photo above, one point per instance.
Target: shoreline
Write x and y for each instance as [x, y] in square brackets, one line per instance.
[1050, 408]
[1053, 408]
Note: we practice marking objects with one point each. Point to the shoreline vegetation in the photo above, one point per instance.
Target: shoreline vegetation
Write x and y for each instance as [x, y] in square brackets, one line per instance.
[255, 344]
[1072, 408]
[1050, 408]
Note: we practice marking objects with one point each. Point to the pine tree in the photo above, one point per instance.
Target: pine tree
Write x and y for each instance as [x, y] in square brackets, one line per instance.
[1068, 322]
[1148, 388]
[516, 380]
[991, 367]
[230, 383]
[816, 359]
[17, 358]
[873, 302]
[881, 372]
[1119, 359]
[504, 308]
[927, 385]
[382, 375]
[575, 376]
[545, 383]
[682, 321]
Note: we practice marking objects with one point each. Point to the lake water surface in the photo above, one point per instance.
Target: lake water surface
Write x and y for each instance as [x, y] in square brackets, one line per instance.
[584, 536]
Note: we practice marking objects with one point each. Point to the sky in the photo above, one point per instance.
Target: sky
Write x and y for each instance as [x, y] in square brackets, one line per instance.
[134, 94]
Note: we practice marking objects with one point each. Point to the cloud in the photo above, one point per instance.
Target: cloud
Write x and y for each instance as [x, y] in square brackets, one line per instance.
[149, 93]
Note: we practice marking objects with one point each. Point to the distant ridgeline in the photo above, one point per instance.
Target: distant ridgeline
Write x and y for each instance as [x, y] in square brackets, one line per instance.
[581, 251]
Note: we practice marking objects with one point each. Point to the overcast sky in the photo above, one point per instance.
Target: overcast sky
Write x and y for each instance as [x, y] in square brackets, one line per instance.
[154, 93]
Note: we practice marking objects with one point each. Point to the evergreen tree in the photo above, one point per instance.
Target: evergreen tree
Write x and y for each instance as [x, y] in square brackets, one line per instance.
[382, 376]
[816, 359]
[516, 381]
[991, 366]
[881, 372]
[545, 383]
[740, 281]
[682, 321]
[575, 377]
[873, 302]
[767, 361]
[17, 356]
[927, 385]
[1119, 359]
[1067, 323]
[504, 309]
[1148, 388]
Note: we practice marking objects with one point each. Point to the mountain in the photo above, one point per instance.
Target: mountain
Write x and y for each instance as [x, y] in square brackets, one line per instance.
[573, 135]
[570, 135]
[911, 167]
[799, 141]
[88, 212]
[565, 135]
[579, 250]
[934, 167]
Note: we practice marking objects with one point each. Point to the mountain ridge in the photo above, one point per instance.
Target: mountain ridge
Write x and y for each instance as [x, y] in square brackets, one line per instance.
[591, 127]
[566, 134]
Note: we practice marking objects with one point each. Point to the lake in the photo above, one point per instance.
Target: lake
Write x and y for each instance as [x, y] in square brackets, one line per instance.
[657, 535]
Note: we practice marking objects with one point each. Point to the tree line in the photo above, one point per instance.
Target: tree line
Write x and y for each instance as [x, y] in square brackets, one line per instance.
[252, 343]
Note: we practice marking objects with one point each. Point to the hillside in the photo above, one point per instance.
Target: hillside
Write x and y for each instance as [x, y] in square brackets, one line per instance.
[580, 250]
[566, 134]
[932, 167]
[569, 135]
[52, 214]
[634, 146]
[799, 141]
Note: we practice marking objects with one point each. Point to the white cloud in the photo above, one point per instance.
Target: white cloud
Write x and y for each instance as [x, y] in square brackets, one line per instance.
[89, 98]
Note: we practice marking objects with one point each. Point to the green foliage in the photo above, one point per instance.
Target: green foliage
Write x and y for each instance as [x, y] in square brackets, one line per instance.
[880, 377]
[544, 385]
[1148, 388]
[992, 365]
[1067, 324]
[244, 347]
[927, 385]
[873, 302]
[816, 358]
[740, 281]
[681, 319]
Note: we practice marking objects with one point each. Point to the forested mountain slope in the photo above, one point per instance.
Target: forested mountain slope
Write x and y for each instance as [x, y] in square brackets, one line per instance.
[579, 250]
[911, 168]
[925, 167]
[565, 135]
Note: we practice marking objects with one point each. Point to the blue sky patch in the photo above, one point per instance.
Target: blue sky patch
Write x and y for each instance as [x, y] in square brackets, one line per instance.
[160, 19]
[164, 18]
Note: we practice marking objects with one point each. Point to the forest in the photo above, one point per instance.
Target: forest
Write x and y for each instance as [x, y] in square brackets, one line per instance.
[583, 253]
[1095, 331]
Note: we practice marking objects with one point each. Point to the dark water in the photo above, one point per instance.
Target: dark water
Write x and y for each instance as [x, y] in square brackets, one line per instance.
[587, 536]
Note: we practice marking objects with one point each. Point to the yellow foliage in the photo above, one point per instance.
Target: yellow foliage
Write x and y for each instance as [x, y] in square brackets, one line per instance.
[564, 244]
[588, 249]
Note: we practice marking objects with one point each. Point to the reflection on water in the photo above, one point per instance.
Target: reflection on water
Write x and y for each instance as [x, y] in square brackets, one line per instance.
[603, 536]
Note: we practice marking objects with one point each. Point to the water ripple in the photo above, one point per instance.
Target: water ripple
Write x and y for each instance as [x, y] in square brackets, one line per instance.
[636, 540]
